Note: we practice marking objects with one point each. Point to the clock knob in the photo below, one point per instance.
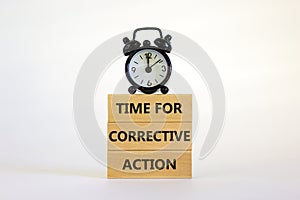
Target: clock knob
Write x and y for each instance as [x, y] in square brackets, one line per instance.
[168, 38]
[125, 40]
[146, 43]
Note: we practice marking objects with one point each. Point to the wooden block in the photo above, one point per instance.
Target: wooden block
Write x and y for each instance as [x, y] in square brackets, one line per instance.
[149, 164]
[150, 136]
[150, 108]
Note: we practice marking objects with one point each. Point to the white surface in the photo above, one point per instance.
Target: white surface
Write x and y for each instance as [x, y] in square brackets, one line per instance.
[233, 184]
[254, 44]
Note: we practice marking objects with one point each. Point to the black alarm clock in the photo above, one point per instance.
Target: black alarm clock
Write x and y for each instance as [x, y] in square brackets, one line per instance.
[148, 68]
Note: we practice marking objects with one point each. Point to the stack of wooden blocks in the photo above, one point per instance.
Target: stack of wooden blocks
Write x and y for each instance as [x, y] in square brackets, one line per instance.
[149, 136]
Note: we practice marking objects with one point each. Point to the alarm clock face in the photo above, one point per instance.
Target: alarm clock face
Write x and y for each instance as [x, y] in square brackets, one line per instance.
[148, 68]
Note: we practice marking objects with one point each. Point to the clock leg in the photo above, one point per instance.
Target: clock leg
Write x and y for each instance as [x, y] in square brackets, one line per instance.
[132, 89]
[164, 89]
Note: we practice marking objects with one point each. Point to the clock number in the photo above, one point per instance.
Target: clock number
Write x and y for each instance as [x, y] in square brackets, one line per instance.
[148, 55]
[163, 68]
[133, 69]
[149, 83]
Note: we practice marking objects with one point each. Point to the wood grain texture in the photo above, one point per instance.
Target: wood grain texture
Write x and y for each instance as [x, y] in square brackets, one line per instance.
[116, 161]
[182, 130]
[152, 117]
[149, 159]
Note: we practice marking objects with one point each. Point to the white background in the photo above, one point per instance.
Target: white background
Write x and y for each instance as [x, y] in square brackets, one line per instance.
[254, 44]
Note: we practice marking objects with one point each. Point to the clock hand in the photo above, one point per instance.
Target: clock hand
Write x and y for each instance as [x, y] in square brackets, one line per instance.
[148, 64]
[155, 63]
[148, 68]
